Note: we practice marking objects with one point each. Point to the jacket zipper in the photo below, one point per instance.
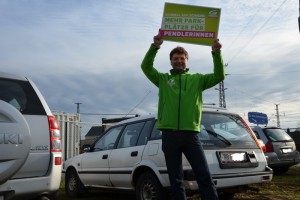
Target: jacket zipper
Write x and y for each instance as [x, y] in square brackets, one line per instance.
[179, 103]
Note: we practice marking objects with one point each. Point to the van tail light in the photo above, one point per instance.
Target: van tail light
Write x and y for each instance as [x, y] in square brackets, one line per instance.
[57, 161]
[55, 137]
[269, 147]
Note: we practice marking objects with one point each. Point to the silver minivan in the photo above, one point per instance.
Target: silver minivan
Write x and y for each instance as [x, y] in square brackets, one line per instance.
[280, 148]
[30, 142]
[129, 156]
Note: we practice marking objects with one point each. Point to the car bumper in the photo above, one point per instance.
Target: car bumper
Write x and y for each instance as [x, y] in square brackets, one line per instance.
[232, 180]
[273, 160]
[32, 187]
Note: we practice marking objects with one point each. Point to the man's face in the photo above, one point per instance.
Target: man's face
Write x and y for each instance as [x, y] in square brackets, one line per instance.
[179, 62]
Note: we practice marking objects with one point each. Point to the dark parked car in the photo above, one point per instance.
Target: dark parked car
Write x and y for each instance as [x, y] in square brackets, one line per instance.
[280, 148]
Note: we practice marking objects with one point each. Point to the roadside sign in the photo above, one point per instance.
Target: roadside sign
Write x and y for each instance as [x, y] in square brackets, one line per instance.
[257, 118]
[190, 24]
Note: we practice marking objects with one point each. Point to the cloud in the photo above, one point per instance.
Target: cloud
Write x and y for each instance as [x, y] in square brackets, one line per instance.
[90, 52]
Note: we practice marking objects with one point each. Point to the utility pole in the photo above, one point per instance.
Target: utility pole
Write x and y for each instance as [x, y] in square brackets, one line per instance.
[299, 17]
[78, 108]
[277, 115]
[222, 101]
[79, 124]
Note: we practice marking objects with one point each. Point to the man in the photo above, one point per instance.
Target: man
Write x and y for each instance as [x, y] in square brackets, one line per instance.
[179, 115]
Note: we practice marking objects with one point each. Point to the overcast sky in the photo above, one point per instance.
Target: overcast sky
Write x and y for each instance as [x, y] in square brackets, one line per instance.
[90, 51]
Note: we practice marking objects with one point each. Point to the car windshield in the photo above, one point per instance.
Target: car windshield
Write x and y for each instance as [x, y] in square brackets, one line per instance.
[277, 135]
[225, 128]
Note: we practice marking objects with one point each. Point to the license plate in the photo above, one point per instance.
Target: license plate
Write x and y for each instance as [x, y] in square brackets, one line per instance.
[233, 157]
[286, 150]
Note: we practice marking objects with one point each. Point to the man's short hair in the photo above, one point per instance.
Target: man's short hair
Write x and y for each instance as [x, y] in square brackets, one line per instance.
[179, 50]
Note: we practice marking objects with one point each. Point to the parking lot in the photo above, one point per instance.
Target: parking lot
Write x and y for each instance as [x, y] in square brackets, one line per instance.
[282, 187]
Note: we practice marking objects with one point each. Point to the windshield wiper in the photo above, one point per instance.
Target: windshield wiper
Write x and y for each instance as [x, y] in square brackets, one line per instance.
[220, 137]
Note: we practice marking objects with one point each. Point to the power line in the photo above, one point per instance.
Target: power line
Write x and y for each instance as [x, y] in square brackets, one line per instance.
[257, 32]
[244, 28]
[138, 103]
[106, 114]
[267, 73]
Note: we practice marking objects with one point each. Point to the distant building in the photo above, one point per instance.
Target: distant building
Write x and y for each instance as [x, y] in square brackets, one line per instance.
[107, 123]
[97, 131]
[92, 135]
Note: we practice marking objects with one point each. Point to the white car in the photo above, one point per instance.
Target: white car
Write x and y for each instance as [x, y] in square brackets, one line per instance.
[129, 156]
[30, 145]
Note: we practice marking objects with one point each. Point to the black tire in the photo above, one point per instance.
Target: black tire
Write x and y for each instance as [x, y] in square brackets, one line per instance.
[226, 195]
[53, 196]
[149, 188]
[73, 185]
[50, 196]
[280, 170]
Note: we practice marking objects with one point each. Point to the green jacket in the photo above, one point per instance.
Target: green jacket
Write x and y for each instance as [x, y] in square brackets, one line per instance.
[180, 95]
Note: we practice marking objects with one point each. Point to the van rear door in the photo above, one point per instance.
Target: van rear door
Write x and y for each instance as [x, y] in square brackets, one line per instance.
[24, 97]
[15, 141]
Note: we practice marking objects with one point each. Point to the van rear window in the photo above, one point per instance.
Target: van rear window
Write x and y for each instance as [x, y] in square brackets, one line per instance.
[277, 135]
[221, 130]
[22, 96]
[226, 130]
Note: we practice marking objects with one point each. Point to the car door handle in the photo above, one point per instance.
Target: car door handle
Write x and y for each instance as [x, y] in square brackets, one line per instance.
[134, 153]
[105, 156]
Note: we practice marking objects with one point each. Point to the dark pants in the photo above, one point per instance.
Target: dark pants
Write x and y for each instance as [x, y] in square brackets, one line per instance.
[174, 143]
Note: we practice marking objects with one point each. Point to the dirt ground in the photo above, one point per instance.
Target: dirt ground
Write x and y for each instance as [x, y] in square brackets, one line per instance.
[282, 187]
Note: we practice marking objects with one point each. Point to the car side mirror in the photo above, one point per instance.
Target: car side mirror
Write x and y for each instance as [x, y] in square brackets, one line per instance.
[86, 147]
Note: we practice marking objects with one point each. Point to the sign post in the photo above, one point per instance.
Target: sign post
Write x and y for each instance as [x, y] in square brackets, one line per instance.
[190, 24]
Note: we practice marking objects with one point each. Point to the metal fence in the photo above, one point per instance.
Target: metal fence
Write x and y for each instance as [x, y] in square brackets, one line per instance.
[70, 133]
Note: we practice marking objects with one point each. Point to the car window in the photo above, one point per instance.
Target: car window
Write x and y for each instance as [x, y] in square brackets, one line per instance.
[22, 96]
[130, 135]
[155, 134]
[224, 128]
[145, 133]
[277, 135]
[108, 140]
[256, 134]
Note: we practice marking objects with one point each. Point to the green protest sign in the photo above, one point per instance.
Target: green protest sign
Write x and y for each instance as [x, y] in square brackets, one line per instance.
[190, 24]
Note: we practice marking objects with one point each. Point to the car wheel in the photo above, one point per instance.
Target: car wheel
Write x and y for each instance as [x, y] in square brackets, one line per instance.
[280, 170]
[73, 185]
[149, 188]
[226, 195]
[53, 195]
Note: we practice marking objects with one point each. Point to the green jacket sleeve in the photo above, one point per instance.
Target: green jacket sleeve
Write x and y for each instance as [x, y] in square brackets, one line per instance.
[147, 65]
[211, 80]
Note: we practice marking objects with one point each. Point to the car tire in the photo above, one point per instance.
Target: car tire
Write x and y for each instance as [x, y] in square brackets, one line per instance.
[73, 185]
[280, 170]
[149, 188]
[226, 195]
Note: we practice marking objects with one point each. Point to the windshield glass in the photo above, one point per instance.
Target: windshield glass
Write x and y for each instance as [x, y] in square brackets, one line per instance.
[277, 135]
[226, 130]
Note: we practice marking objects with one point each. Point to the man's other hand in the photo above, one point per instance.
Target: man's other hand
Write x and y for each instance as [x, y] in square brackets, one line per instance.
[216, 46]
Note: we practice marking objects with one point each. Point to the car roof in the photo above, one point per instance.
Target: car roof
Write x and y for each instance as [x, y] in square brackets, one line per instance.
[211, 109]
[12, 76]
[267, 127]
